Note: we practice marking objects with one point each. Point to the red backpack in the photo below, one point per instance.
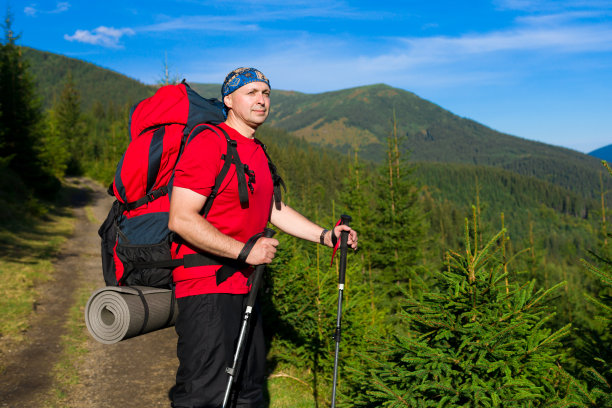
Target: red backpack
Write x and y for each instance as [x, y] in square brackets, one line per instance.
[135, 236]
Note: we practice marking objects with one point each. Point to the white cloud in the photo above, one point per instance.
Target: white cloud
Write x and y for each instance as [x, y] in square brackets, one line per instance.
[205, 23]
[255, 15]
[60, 7]
[552, 5]
[104, 36]
[553, 40]
[494, 57]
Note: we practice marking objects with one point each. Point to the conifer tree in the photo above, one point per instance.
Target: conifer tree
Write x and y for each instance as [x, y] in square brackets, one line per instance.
[54, 153]
[70, 124]
[471, 344]
[359, 201]
[301, 308]
[21, 118]
[596, 341]
[399, 224]
[168, 78]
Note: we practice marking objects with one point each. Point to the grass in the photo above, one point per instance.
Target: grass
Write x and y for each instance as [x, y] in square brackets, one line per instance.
[27, 251]
[74, 348]
[287, 389]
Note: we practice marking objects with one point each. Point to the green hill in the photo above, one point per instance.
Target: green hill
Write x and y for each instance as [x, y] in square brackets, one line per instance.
[357, 118]
[95, 84]
[360, 118]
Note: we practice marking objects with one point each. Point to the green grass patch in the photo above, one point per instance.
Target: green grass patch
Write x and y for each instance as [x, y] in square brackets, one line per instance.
[28, 247]
[91, 217]
[74, 349]
[288, 389]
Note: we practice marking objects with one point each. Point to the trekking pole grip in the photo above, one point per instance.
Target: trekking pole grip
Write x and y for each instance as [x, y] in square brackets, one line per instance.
[345, 220]
[267, 233]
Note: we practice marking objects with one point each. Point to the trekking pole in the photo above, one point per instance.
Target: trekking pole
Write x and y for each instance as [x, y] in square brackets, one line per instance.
[257, 279]
[345, 220]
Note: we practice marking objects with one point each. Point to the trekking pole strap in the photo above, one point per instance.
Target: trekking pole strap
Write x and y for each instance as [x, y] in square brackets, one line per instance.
[248, 246]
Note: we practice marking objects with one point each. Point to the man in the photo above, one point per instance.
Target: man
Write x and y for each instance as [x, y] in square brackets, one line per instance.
[210, 312]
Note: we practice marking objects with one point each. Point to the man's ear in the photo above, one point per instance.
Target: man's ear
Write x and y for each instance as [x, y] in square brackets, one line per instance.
[227, 100]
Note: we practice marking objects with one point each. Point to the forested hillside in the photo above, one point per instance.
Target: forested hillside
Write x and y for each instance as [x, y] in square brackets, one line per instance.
[360, 119]
[95, 84]
[470, 239]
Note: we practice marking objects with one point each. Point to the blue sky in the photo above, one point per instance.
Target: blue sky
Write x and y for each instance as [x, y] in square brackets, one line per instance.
[541, 70]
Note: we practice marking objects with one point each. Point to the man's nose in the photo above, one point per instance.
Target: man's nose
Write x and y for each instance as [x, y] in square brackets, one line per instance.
[261, 99]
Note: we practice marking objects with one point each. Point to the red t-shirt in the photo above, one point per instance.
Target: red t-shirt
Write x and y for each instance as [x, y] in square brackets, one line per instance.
[198, 167]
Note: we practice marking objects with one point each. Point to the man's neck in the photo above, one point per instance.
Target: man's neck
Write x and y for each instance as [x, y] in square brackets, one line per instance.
[241, 128]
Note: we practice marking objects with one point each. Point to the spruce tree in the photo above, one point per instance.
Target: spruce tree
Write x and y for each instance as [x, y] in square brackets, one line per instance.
[358, 199]
[70, 124]
[300, 314]
[477, 342]
[595, 347]
[21, 119]
[399, 233]
[54, 154]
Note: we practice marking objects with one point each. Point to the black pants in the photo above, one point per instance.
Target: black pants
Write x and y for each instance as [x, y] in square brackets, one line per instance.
[208, 327]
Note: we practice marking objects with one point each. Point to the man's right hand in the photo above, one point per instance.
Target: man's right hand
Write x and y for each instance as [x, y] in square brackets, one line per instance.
[263, 251]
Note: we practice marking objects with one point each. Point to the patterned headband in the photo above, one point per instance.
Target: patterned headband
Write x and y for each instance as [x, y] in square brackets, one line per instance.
[240, 77]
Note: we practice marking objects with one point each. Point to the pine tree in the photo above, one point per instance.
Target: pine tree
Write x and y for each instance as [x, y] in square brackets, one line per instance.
[70, 124]
[168, 78]
[596, 341]
[474, 343]
[54, 154]
[400, 230]
[21, 118]
[357, 198]
[300, 312]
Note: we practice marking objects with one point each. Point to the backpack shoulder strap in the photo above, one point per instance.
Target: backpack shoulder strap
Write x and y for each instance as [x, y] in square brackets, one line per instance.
[277, 180]
[231, 157]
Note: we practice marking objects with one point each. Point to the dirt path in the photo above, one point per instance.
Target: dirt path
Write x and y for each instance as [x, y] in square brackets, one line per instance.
[134, 373]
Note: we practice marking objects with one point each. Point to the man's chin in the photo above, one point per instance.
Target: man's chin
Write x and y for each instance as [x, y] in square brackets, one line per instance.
[259, 118]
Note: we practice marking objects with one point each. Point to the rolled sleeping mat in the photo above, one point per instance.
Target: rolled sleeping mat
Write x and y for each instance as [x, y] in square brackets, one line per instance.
[116, 313]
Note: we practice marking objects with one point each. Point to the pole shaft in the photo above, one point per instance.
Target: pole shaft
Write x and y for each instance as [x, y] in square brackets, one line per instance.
[341, 280]
[257, 279]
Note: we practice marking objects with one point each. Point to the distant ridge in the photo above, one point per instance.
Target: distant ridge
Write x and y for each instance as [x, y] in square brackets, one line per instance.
[353, 119]
[361, 119]
[603, 153]
[95, 84]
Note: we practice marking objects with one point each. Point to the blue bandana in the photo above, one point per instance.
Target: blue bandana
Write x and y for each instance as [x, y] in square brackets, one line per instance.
[240, 77]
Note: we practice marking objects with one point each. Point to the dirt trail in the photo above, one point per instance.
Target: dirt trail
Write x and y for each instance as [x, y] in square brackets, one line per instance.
[134, 373]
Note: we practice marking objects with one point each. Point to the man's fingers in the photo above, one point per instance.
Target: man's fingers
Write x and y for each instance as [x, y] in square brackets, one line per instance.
[263, 251]
[352, 238]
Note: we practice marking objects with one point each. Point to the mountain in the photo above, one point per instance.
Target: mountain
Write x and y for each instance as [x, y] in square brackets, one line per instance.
[95, 84]
[361, 118]
[603, 153]
[357, 118]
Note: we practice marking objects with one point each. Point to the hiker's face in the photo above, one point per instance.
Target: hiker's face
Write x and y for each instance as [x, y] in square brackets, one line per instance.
[250, 103]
